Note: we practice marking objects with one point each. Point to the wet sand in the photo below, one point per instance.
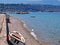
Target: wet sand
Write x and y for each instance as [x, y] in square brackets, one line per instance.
[18, 25]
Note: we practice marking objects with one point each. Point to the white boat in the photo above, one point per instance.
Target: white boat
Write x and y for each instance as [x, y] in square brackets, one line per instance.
[16, 38]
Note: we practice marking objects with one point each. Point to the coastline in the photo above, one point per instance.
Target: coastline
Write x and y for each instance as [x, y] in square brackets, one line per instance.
[26, 28]
[23, 30]
[18, 25]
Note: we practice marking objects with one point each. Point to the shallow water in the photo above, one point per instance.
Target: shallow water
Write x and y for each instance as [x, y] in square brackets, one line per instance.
[46, 25]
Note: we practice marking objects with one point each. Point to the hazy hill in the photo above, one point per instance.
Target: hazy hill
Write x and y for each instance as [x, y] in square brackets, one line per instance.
[28, 8]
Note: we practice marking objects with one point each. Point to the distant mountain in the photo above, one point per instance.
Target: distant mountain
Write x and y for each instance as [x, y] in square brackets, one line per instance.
[28, 8]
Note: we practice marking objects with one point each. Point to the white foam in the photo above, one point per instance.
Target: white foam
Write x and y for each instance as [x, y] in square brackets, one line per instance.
[33, 34]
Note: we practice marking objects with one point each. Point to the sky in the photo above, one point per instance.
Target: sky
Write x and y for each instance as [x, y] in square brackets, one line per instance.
[52, 2]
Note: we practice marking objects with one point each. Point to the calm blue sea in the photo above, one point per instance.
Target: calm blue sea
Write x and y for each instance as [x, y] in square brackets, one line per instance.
[45, 24]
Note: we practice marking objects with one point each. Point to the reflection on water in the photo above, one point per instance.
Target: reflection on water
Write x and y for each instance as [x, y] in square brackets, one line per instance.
[46, 25]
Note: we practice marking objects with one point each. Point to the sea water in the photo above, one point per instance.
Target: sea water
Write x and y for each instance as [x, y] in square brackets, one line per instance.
[45, 24]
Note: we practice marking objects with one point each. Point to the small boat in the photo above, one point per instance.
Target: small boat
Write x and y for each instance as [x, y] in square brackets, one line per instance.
[32, 16]
[16, 38]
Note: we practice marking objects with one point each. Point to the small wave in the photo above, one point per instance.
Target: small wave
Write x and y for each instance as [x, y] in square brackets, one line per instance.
[33, 34]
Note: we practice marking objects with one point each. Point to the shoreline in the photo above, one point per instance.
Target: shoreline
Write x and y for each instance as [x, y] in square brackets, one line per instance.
[18, 25]
[24, 31]
[25, 26]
